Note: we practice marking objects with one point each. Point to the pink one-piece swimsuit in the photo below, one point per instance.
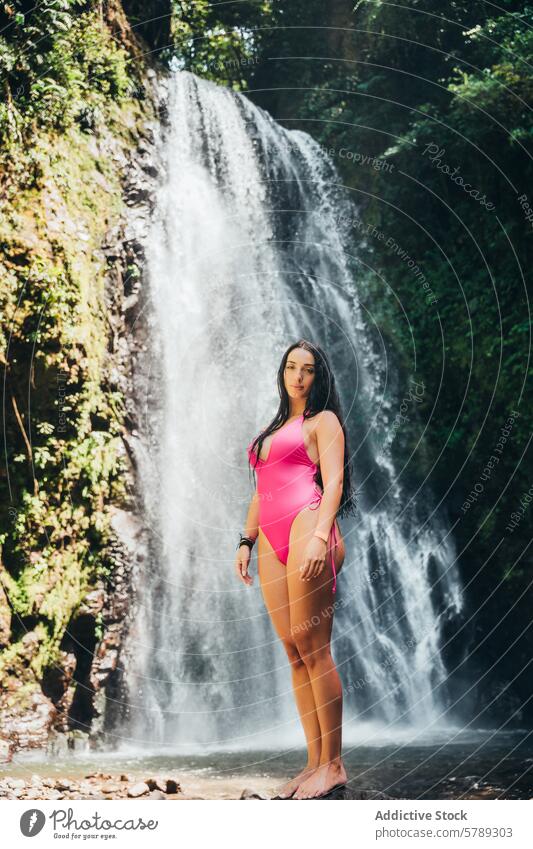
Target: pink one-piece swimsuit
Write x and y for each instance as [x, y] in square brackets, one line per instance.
[285, 486]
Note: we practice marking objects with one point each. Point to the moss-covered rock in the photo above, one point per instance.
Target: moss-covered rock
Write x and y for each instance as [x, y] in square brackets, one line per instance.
[62, 195]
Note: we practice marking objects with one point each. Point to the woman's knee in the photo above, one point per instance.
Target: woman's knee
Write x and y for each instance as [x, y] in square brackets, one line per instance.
[310, 650]
[293, 654]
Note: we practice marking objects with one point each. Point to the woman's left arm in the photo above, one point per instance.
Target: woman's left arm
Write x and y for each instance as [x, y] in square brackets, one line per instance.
[330, 443]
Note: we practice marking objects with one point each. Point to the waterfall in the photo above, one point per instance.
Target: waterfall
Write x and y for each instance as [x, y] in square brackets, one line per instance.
[250, 249]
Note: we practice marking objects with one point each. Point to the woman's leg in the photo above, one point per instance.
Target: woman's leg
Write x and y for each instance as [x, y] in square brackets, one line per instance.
[273, 579]
[312, 605]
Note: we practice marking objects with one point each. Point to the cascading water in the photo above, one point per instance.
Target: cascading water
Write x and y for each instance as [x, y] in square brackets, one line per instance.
[247, 253]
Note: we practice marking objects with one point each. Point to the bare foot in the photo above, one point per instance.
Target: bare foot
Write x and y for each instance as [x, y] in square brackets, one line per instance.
[322, 780]
[288, 789]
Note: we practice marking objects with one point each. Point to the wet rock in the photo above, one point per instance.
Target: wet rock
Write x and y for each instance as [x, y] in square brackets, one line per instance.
[93, 602]
[163, 783]
[138, 789]
[6, 751]
[79, 740]
[29, 729]
[34, 793]
[57, 744]
[107, 664]
[110, 787]
[65, 784]
[58, 686]
[348, 792]
[247, 793]
[87, 788]
[156, 794]
[156, 784]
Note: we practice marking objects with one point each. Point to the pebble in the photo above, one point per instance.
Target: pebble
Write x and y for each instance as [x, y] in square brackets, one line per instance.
[156, 794]
[96, 785]
[110, 787]
[64, 784]
[34, 793]
[138, 789]
[248, 793]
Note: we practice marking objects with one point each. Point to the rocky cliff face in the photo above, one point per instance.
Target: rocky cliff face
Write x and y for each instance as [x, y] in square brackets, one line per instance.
[73, 239]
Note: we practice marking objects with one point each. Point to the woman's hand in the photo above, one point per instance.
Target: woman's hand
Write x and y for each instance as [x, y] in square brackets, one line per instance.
[242, 561]
[314, 559]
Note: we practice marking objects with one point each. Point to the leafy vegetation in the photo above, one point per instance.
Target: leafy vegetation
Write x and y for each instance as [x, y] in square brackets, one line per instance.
[67, 82]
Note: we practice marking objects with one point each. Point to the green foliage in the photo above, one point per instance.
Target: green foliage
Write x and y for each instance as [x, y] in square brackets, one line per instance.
[58, 65]
[214, 42]
[60, 71]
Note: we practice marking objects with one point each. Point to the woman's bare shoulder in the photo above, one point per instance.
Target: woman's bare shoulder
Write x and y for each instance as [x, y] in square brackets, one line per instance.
[326, 418]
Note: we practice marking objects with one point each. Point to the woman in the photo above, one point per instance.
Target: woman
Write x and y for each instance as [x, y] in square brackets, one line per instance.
[301, 550]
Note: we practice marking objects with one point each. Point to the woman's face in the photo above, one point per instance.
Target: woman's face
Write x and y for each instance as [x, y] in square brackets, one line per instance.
[299, 373]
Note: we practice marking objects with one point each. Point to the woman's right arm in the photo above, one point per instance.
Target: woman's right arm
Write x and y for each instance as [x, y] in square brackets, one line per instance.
[251, 529]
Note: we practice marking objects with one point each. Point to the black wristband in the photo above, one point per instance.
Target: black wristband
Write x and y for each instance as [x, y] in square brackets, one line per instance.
[246, 541]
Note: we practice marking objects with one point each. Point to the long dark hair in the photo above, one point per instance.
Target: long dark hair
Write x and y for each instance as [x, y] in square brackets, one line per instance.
[323, 396]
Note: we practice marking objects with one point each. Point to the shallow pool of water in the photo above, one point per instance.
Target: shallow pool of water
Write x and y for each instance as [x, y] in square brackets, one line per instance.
[469, 765]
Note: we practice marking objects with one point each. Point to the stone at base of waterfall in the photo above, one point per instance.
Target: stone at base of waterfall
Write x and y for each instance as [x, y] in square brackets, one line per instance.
[95, 785]
[65, 784]
[248, 793]
[343, 793]
[348, 792]
[156, 794]
[165, 785]
[6, 751]
[138, 789]
[111, 787]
